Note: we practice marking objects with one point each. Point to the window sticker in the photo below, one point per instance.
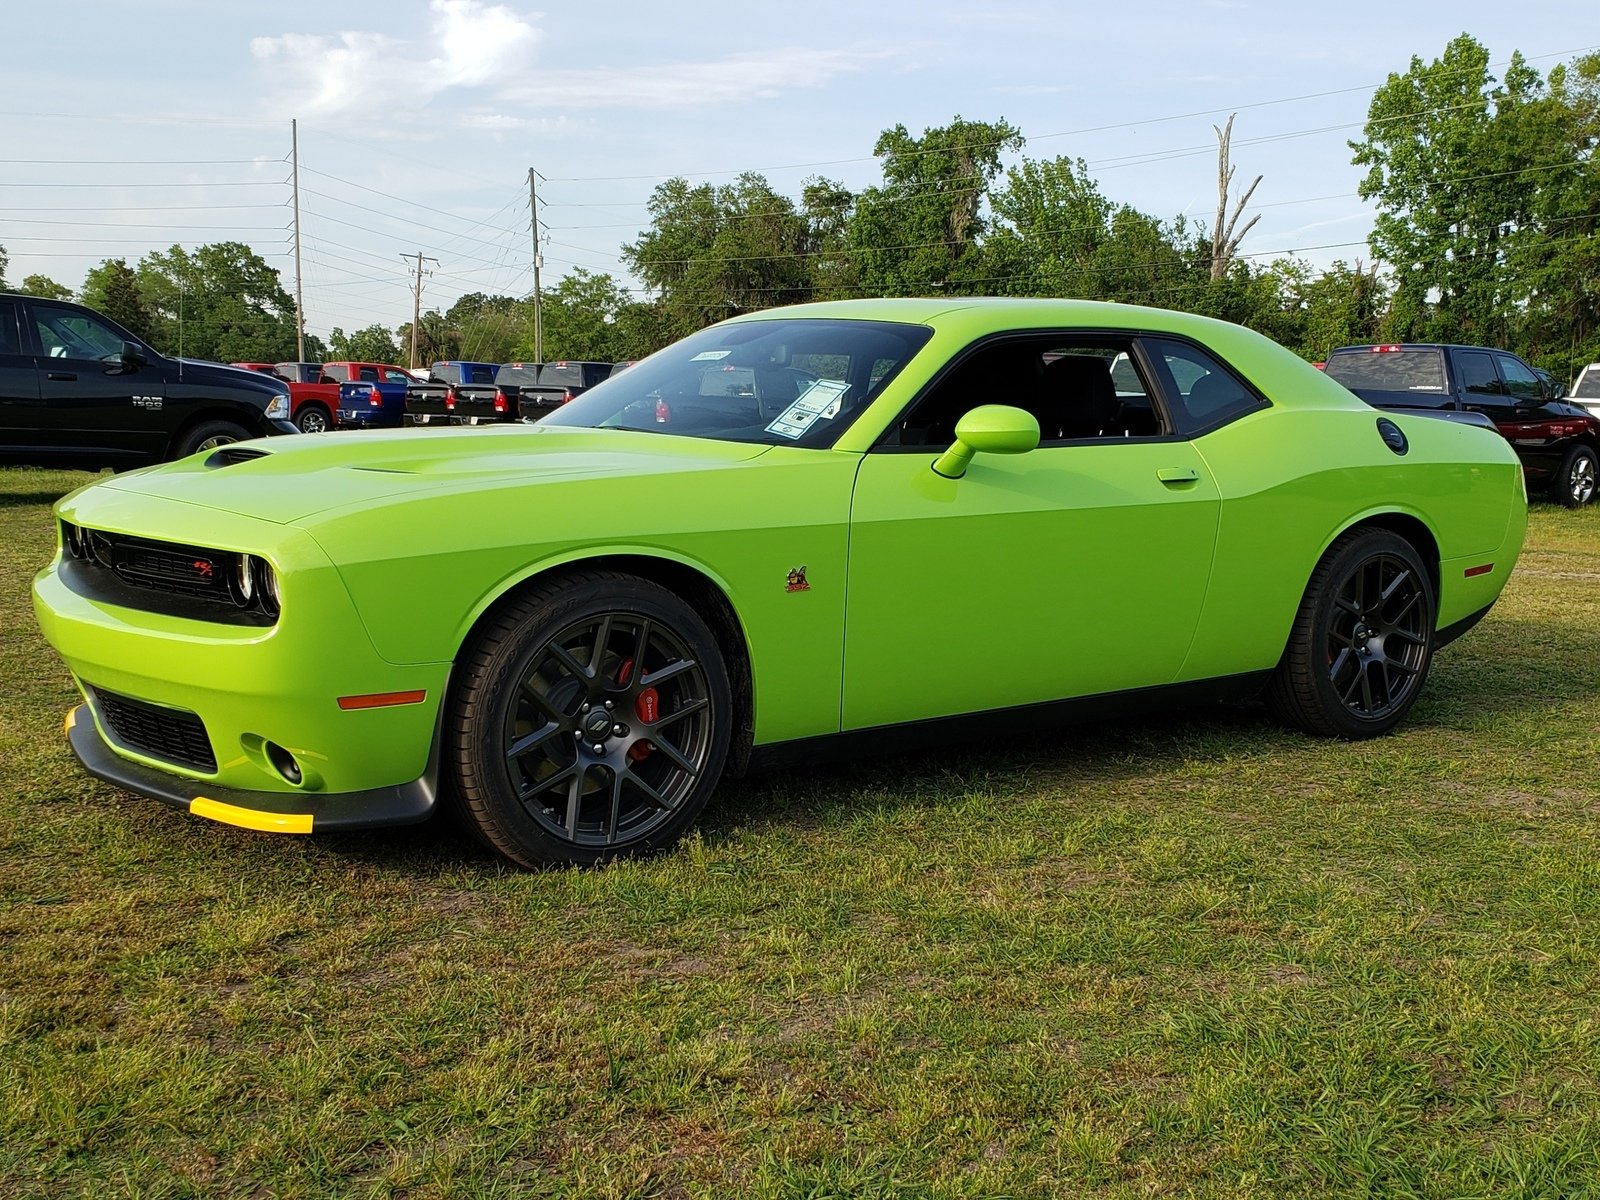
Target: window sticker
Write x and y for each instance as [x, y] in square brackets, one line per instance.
[821, 399]
[711, 355]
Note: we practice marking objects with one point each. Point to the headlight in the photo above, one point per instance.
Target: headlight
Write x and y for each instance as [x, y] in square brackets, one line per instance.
[272, 601]
[278, 409]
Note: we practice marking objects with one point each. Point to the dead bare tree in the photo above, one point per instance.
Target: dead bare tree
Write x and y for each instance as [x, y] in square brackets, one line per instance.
[1224, 241]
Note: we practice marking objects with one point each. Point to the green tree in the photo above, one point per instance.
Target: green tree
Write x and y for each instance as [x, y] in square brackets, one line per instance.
[437, 340]
[1555, 256]
[1454, 177]
[580, 320]
[221, 301]
[113, 288]
[711, 252]
[372, 344]
[45, 288]
[920, 232]
[489, 326]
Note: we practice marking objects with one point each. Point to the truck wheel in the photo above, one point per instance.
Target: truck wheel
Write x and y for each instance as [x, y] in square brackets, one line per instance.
[591, 721]
[314, 418]
[208, 435]
[1362, 641]
[1575, 481]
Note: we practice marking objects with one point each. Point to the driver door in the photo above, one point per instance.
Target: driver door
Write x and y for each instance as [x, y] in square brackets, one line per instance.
[88, 400]
[1075, 569]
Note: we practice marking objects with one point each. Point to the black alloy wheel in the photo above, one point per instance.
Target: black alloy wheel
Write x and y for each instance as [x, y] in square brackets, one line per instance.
[1574, 484]
[592, 722]
[1362, 641]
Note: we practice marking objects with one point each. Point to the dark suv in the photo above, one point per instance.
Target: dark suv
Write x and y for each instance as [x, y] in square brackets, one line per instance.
[75, 387]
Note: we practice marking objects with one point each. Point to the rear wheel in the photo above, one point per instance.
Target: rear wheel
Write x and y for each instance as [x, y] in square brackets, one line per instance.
[1362, 640]
[1574, 483]
[314, 418]
[591, 721]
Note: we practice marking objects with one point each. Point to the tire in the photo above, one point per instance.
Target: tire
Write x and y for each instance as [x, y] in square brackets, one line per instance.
[1362, 640]
[314, 418]
[1574, 484]
[208, 435]
[531, 682]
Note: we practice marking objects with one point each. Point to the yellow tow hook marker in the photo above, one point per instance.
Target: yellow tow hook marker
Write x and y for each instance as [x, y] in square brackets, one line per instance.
[250, 818]
[67, 724]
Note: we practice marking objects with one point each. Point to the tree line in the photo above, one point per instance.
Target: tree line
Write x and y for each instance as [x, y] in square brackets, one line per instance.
[1487, 193]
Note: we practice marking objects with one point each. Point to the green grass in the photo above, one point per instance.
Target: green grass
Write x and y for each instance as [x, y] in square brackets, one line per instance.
[1191, 956]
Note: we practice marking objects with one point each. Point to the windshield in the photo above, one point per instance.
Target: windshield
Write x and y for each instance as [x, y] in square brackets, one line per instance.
[785, 382]
[1588, 383]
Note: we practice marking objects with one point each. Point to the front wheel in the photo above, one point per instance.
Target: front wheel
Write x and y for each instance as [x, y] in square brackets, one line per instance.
[1575, 482]
[1362, 640]
[591, 721]
[208, 435]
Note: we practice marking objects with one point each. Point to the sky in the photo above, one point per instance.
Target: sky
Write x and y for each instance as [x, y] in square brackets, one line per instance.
[131, 125]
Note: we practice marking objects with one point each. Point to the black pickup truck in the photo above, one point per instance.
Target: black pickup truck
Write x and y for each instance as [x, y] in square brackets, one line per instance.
[558, 383]
[1558, 442]
[457, 393]
[76, 388]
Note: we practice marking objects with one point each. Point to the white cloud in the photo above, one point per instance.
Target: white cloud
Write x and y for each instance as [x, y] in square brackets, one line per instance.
[470, 44]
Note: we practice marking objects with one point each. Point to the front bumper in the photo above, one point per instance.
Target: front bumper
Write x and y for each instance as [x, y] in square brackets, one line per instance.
[301, 686]
[268, 812]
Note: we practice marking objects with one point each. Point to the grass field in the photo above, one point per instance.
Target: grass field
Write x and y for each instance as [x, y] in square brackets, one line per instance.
[1191, 956]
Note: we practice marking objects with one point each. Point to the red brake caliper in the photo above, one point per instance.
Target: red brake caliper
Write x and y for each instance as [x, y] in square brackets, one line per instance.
[648, 708]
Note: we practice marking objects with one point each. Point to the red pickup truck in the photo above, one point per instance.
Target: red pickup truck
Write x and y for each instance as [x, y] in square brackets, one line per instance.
[312, 405]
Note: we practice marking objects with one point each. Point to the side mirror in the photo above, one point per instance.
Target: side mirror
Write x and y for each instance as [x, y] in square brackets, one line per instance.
[132, 357]
[992, 429]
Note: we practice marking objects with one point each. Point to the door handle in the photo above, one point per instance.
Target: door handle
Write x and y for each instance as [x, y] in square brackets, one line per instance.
[1177, 474]
[62, 376]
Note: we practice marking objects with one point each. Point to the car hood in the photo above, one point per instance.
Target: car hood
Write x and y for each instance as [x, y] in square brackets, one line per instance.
[289, 479]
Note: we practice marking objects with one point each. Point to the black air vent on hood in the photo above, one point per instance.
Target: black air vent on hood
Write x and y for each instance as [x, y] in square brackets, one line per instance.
[228, 456]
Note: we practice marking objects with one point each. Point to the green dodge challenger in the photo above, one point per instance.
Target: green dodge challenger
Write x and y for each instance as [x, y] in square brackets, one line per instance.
[836, 527]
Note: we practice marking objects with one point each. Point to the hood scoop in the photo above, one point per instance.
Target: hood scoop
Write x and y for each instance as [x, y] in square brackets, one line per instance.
[228, 456]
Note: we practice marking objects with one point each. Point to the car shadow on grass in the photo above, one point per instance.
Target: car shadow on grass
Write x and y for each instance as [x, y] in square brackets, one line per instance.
[1475, 692]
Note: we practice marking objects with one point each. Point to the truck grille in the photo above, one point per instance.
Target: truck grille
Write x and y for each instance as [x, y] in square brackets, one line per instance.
[173, 735]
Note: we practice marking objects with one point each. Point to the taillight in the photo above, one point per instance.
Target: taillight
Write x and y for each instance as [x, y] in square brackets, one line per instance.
[375, 397]
[450, 398]
[1384, 349]
[501, 401]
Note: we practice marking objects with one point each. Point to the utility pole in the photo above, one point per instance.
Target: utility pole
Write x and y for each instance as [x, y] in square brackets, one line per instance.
[538, 299]
[416, 302]
[299, 301]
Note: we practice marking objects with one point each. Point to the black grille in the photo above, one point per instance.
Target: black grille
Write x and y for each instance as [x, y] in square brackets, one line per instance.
[168, 577]
[173, 735]
[164, 566]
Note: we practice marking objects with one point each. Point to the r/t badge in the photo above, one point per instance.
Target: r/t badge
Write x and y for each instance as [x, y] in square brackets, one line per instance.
[797, 581]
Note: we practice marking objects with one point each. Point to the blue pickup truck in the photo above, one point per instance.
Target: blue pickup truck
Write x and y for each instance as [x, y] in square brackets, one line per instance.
[374, 402]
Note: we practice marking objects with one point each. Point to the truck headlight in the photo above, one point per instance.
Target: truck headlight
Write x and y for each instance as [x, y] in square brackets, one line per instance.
[278, 408]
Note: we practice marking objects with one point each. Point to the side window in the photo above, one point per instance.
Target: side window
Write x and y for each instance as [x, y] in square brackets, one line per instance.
[10, 336]
[1204, 394]
[396, 377]
[1521, 382]
[1478, 376]
[367, 374]
[68, 333]
[1077, 388]
[335, 373]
